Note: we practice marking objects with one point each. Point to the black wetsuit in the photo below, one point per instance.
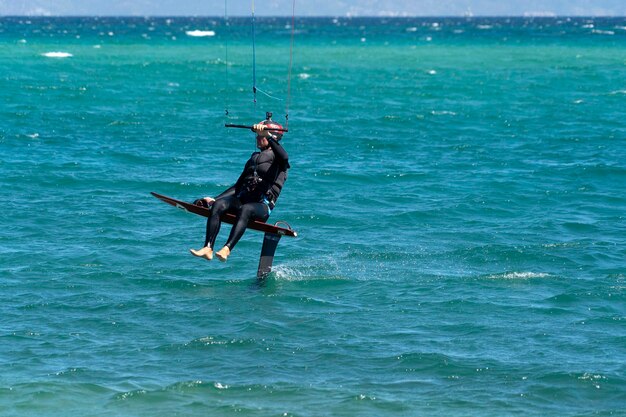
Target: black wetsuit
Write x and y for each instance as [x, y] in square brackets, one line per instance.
[254, 194]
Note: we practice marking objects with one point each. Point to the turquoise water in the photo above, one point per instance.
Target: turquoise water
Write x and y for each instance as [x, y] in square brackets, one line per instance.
[458, 186]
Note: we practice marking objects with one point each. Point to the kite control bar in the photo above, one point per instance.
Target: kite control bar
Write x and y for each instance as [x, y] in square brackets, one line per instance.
[268, 118]
[250, 127]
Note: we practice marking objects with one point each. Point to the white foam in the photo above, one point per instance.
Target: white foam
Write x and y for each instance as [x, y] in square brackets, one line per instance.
[520, 275]
[57, 54]
[484, 27]
[560, 245]
[304, 76]
[286, 273]
[432, 72]
[603, 32]
[411, 29]
[200, 33]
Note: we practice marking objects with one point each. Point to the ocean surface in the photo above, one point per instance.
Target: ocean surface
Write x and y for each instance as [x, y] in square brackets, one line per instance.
[458, 187]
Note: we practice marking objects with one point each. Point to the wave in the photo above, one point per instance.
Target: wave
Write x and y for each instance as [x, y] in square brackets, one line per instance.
[200, 33]
[519, 275]
[442, 113]
[284, 272]
[57, 55]
[304, 272]
[603, 32]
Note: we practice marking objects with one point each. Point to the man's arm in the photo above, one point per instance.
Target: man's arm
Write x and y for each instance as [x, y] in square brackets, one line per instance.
[279, 152]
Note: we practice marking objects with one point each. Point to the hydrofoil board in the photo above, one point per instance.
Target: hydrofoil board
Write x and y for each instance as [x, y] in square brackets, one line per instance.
[227, 218]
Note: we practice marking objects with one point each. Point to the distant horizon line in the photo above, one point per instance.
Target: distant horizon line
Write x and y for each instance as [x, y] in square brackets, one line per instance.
[529, 15]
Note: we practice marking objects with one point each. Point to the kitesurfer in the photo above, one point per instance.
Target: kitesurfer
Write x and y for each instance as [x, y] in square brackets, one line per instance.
[253, 196]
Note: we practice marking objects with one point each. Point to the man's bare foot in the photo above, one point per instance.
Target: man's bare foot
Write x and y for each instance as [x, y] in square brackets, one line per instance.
[206, 253]
[223, 253]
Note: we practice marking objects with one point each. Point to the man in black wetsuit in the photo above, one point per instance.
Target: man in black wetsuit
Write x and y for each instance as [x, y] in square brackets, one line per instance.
[254, 194]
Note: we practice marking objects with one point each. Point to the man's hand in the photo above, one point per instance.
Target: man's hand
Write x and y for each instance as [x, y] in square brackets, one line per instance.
[260, 130]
